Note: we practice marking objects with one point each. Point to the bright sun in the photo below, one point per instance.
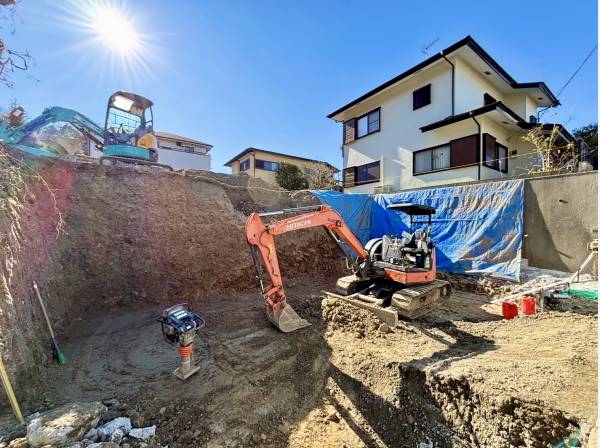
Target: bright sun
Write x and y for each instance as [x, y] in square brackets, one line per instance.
[115, 30]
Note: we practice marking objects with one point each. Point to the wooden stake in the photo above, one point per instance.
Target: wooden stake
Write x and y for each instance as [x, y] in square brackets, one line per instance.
[10, 393]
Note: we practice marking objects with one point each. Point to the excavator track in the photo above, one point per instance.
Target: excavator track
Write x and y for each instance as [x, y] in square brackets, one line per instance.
[351, 284]
[410, 302]
[415, 301]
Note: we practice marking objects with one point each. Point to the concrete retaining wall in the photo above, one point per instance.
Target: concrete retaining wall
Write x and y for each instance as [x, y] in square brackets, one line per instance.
[561, 218]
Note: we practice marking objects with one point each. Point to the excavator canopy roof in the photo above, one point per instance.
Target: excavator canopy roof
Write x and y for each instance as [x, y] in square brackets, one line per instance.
[124, 100]
[412, 209]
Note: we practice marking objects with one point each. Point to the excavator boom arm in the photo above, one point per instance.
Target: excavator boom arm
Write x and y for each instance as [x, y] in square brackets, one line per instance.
[260, 237]
[52, 115]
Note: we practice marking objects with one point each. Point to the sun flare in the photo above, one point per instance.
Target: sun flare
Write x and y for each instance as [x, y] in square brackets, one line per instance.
[115, 31]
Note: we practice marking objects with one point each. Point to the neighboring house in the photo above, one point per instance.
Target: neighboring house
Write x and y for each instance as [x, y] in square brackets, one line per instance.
[174, 150]
[182, 152]
[263, 164]
[456, 117]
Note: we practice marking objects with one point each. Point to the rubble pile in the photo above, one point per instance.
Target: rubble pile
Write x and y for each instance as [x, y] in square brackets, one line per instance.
[495, 288]
[82, 425]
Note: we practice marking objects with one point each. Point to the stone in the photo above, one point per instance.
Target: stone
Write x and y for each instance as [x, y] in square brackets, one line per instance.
[103, 445]
[64, 424]
[333, 417]
[162, 410]
[31, 417]
[92, 435]
[112, 403]
[16, 432]
[109, 415]
[20, 442]
[117, 436]
[143, 433]
[106, 431]
[137, 420]
[385, 328]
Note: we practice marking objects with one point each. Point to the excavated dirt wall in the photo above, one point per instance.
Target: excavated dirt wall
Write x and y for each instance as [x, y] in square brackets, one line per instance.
[128, 237]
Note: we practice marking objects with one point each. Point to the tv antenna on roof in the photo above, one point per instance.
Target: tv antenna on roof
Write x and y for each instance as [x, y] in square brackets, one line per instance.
[425, 49]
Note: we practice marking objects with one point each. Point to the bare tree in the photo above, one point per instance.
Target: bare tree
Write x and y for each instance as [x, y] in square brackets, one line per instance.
[11, 60]
[552, 156]
[319, 178]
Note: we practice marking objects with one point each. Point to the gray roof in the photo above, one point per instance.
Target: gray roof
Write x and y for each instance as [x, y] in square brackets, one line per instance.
[469, 42]
[251, 149]
[171, 136]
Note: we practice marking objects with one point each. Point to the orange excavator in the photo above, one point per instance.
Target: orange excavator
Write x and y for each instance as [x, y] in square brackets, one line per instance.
[392, 275]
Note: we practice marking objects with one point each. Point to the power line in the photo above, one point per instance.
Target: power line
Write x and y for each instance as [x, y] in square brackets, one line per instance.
[577, 71]
[571, 78]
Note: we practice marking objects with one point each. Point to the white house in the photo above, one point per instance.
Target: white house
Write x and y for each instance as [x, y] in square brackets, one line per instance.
[455, 117]
[182, 152]
[174, 150]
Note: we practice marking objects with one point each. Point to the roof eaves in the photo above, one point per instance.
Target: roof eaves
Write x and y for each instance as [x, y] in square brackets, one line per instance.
[539, 85]
[472, 113]
[405, 74]
[239, 156]
[171, 136]
[251, 149]
[471, 43]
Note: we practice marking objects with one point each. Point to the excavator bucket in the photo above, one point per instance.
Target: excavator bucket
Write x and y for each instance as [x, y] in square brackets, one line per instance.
[285, 318]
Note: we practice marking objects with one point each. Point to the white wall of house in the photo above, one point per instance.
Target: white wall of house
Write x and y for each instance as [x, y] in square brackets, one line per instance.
[175, 156]
[470, 87]
[190, 156]
[179, 160]
[400, 133]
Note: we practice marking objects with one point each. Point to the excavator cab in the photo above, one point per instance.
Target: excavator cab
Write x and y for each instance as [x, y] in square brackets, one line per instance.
[414, 248]
[129, 132]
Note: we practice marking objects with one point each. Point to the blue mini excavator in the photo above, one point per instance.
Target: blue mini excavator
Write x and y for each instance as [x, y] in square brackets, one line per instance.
[127, 137]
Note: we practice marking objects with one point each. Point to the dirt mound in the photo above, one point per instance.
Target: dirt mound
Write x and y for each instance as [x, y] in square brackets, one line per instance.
[343, 317]
[465, 382]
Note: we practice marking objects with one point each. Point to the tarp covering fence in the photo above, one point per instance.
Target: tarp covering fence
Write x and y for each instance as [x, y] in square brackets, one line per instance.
[477, 228]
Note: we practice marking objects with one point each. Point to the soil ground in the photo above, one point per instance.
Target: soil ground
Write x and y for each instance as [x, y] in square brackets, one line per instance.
[460, 376]
[135, 242]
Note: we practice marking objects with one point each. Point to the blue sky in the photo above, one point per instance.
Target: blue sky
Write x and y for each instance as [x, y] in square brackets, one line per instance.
[266, 73]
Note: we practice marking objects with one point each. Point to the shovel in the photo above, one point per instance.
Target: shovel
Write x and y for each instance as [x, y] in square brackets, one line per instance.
[58, 355]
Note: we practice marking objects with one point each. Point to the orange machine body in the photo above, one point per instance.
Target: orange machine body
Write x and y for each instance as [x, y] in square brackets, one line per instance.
[413, 277]
[261, 235]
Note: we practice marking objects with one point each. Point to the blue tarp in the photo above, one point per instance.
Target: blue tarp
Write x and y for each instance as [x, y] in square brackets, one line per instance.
[477, 228]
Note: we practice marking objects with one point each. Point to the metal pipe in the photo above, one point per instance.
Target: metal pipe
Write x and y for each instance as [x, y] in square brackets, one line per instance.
[566, 281]
[448, 61]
